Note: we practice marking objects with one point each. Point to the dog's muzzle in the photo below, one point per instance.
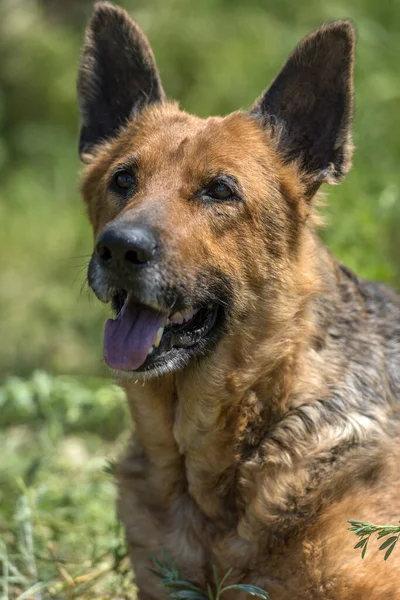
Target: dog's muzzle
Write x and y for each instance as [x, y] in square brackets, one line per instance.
[161, 319]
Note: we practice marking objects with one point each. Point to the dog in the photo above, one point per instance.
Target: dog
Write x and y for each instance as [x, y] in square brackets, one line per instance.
[263, 376]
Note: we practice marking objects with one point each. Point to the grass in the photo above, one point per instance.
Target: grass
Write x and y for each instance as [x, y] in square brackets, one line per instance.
[60, 536]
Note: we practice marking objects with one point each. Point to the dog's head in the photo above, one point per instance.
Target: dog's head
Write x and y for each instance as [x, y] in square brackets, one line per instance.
[202, 226]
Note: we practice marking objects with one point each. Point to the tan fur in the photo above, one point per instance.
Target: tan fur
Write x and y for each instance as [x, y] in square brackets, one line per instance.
[235, 461]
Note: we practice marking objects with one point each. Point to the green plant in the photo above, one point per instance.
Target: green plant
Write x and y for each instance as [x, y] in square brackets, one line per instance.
[179, 589]
[59, 537]
[364, 530]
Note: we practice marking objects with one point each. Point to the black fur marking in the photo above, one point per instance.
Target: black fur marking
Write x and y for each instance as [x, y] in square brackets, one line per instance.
[118, 75]
[309, 106]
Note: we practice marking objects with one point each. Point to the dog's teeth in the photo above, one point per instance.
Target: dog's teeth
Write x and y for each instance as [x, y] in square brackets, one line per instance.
[182, 317]
[176, 318]
[150, 350]
[188, 314]
[158, 337]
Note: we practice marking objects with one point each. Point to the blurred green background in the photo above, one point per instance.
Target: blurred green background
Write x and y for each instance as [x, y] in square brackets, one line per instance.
[59, 418]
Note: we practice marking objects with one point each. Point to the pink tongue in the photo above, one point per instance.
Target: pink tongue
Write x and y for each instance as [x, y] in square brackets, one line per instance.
[128, 338]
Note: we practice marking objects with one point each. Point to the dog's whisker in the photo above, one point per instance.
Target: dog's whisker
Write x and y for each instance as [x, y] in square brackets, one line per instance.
[78, 274]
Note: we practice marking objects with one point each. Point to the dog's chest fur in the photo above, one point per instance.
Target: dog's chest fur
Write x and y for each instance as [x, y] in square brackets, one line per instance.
[180, 494]
[225, 473]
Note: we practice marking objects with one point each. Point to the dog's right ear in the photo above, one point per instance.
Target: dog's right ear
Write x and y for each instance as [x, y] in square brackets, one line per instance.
[117, 75]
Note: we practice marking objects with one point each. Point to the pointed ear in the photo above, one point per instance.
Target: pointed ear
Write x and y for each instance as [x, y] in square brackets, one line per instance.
[117, 75]
[309, 106]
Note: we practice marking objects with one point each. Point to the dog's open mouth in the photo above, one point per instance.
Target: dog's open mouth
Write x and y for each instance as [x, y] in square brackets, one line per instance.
[141, 338]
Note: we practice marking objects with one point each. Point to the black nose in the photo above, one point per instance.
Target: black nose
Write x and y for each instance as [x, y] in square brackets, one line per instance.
[124, 244]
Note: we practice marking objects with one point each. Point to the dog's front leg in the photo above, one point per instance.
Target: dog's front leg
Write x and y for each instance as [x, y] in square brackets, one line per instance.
[142, 527]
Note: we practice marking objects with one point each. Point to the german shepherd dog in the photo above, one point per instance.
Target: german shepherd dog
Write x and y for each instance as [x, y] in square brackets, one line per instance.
[263, 377]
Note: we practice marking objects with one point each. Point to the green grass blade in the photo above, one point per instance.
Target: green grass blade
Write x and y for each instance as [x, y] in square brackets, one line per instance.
[225, 577]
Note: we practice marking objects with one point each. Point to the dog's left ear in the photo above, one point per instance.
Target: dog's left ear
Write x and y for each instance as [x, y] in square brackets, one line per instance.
[309, 106]
[117, 75]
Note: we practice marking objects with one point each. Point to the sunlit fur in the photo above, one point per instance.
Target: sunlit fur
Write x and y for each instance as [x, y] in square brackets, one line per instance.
[255, 456]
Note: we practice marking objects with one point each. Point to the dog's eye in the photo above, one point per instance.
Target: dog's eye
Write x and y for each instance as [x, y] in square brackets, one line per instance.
[219, 191]
[123, 180]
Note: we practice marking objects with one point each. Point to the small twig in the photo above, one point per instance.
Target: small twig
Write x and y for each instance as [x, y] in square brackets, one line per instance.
[65, 575]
